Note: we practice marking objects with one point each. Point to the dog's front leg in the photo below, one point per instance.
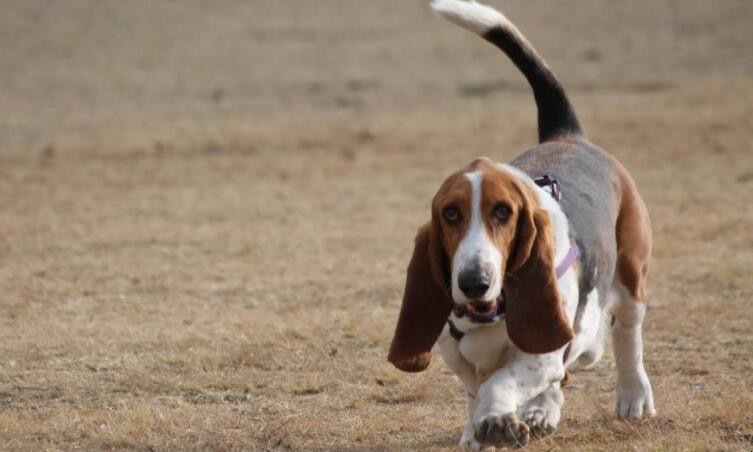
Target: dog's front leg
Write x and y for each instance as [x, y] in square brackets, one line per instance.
[495, 421]
[466, 439]
[448, 349]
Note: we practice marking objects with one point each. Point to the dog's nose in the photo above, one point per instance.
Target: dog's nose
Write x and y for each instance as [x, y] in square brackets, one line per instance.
[474, 283]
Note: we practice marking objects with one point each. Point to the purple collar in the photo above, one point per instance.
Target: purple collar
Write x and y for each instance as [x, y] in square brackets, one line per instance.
[568, 261]
[548, 182]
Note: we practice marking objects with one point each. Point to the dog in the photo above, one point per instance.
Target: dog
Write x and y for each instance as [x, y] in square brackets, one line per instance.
[525, 266]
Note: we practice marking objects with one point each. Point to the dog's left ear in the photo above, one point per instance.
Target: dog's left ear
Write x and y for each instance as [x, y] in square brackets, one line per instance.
[426, 303]
[536, 321]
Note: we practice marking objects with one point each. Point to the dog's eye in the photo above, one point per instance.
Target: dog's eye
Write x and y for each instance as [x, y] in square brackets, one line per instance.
[501, 213]
[451, 215]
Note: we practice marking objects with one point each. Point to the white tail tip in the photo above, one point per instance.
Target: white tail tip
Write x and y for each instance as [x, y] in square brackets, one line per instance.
[470, 15]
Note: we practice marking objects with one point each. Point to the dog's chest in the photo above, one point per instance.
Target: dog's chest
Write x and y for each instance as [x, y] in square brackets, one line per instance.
[486, 348]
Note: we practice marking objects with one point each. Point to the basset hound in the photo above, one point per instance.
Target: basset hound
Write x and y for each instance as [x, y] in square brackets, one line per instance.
[525, 266]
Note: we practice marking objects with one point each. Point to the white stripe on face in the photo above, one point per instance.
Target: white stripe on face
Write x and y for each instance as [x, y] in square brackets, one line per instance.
[476, 249]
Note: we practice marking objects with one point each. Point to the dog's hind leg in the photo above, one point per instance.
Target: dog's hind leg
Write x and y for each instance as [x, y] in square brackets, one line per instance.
[634, 394]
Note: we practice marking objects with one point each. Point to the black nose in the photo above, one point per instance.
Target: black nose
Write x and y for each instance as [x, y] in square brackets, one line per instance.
[474, 282]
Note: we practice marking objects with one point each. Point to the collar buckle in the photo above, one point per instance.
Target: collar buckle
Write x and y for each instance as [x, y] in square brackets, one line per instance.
[553, 185]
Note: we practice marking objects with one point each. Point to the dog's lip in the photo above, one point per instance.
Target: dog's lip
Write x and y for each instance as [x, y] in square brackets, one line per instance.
[478, 311]
[482, 307]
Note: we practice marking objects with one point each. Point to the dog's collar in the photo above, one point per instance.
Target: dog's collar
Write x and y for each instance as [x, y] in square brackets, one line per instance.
[454, 331]
[572, 255]
[547, 181]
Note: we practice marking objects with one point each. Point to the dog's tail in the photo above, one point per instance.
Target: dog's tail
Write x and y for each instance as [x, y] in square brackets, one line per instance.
[557, 117]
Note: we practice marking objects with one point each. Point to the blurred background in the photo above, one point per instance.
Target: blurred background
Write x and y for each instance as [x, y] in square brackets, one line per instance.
[206, 210]
[81, 71]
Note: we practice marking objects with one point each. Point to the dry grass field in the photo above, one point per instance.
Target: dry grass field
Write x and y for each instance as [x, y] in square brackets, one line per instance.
[207, 208]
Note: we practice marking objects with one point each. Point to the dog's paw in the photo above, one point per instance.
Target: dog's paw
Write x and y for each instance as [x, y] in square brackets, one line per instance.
[542, 420]
[503, 430]
[635, 400]
[542, 413]
[467, 442]
[635, 403]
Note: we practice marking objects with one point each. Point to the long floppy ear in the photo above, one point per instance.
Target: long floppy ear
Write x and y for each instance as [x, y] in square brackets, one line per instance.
[426, 304]
[536, 321]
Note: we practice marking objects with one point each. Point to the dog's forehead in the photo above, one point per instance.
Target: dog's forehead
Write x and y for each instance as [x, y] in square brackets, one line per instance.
[494, 180]
[481, 165]
[456, 187]
[500, 183]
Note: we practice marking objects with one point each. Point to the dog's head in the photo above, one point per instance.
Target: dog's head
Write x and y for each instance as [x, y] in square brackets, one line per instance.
[487, 233]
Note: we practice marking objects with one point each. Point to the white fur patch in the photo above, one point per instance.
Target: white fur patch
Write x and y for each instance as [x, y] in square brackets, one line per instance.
[476, 248]
[588, 339]
[471, 15]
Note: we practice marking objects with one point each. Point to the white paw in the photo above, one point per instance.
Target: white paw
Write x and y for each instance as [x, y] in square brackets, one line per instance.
[542, 420]
[503, 430]
[542, 414]
[635, 400]
[467, 442]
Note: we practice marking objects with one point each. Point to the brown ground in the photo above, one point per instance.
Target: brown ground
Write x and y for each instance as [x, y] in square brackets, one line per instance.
[207, 212]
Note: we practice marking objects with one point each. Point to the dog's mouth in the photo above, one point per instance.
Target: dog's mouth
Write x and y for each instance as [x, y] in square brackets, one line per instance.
[482, 308]
[479, 311]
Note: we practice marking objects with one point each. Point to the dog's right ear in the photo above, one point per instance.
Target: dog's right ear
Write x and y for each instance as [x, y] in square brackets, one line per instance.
[426, 303]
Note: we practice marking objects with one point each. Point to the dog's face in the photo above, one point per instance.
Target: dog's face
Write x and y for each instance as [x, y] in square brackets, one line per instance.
[477, 210]
[487, 234]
